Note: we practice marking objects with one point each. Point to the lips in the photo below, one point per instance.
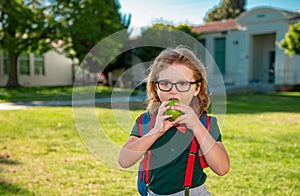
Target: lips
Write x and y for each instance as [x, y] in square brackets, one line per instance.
[173, 98]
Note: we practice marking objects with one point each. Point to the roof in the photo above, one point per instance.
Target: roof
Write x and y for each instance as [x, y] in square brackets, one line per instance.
[273, 14]
[292, 15]
[222, 25]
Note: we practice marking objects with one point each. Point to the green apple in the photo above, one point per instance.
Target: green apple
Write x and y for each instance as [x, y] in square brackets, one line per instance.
[174, 113]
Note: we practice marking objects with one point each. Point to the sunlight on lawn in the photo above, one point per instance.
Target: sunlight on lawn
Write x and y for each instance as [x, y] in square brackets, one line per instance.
[42, 152]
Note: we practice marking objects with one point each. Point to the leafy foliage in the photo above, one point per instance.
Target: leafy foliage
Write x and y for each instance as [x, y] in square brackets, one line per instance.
[161, 33]
[228, 9]
[86, 23]
[25, 26]
[68, 26]
[291, 42]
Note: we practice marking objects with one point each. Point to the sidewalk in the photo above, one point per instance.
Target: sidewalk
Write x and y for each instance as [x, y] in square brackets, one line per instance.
[17, 106]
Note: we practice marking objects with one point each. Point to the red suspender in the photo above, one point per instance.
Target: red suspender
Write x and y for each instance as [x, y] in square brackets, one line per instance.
[191, 160]
[140, 123]
[152, 122]
[147, 169]
[190, 165]
[208, 123]
[191, 157]
[147, 156]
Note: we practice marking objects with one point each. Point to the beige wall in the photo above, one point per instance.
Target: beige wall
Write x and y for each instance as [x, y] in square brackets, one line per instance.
[58, 72]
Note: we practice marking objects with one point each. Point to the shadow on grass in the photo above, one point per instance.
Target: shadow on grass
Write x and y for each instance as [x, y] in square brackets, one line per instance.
[252, 103]
[5, 159]
[7, 188]
[28, 94]
[11, 189]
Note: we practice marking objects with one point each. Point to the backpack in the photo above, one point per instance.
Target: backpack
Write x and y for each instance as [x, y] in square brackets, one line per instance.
[145, 124]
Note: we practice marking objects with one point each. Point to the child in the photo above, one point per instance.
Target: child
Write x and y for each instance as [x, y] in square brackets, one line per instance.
[177, 74]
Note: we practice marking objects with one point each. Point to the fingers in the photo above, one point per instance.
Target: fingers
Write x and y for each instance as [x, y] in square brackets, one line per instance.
[161, 111]
[180, 106]
[163, 108]
[179, 120]
[188, 115]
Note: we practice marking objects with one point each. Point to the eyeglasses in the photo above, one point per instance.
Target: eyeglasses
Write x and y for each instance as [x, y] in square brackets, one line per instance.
[182, 86]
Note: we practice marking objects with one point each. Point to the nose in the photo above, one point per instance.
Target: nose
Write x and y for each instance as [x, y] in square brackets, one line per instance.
[173, 89]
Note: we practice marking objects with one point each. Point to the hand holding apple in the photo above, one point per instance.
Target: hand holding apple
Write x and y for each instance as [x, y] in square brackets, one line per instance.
[174, 113]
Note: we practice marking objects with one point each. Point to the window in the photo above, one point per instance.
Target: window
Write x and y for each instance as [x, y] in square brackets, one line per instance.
[39, 65]
[203, 42]
[24, 63]
[220, 53]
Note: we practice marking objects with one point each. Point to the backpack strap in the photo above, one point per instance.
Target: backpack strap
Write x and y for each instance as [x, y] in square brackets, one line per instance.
[191, 158]
[143, 121]
[201, 157]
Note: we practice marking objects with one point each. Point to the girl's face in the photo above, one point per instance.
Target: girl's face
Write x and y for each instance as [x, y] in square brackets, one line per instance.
[177, 73]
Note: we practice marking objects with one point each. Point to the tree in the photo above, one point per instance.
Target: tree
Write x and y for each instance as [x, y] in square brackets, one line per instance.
[161, 33]
[228, 9]
[74, 25]
[87, 22]
[291, 42]
[24, 26]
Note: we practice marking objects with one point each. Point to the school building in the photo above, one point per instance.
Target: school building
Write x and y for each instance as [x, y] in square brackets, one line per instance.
[245, 49]
[49, 69]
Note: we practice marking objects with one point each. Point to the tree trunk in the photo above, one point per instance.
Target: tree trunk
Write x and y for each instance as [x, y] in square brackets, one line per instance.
[13, 71]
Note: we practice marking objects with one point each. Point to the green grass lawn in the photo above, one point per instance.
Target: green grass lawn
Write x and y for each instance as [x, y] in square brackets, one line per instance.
[41, 152]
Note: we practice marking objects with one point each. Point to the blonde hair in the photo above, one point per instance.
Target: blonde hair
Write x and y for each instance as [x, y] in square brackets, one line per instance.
[180, 55]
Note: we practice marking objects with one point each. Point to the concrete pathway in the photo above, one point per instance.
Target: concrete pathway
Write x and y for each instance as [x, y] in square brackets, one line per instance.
[24, 105]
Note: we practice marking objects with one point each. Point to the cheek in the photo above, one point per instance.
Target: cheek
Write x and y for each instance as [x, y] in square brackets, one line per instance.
[163, 96]
[186, 98]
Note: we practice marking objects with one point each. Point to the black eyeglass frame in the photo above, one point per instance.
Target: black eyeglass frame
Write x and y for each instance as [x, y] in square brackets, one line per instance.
[175, 84]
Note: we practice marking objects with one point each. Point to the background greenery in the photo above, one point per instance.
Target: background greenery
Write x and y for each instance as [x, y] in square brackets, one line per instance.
[41, 152]
[69, 26]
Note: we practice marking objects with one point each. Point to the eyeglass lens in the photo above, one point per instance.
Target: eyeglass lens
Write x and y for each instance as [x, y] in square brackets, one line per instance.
[182, 86]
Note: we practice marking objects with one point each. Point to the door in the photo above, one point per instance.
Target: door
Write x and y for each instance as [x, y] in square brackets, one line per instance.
[271, 66]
